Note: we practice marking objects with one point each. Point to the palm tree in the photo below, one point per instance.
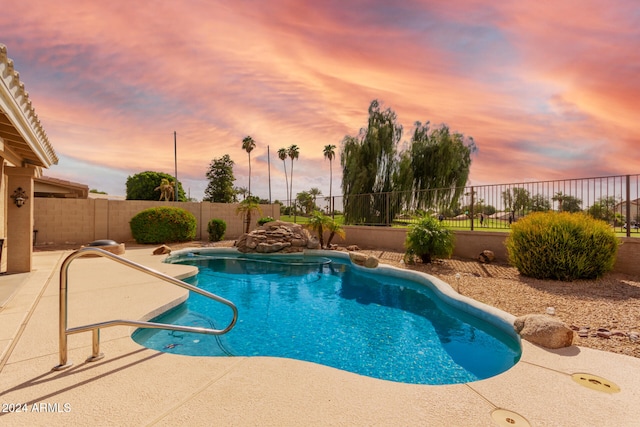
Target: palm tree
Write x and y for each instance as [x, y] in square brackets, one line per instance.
[282, 155]
[318, 222]
[315, 192]
[246, 208]
[329, 153]
[242, 191]
[334, 229]
[166, 190]
[293, 152]
[558, 197]
[248, 144]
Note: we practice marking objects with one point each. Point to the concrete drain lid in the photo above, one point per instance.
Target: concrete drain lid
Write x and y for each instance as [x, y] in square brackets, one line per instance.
[506, 418]
[595, 383]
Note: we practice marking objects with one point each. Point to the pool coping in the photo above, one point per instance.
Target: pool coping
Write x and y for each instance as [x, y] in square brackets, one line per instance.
[137, 386]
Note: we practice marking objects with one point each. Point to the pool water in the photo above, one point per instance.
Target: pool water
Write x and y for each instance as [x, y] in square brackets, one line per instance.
[326, 311]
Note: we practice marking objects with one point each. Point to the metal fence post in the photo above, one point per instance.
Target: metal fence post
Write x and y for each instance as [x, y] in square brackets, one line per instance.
[628, 220]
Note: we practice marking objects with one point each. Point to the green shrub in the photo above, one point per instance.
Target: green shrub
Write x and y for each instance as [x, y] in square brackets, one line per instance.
[216, 229]
[428, 239]
[264, 220]
[163, 224]
[562, 246]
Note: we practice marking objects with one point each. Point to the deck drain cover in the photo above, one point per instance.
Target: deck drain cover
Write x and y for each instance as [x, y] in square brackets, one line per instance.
[595, 383]
[506, 418]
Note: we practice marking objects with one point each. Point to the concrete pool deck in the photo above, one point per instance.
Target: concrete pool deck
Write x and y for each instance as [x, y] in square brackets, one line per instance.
[134, 386]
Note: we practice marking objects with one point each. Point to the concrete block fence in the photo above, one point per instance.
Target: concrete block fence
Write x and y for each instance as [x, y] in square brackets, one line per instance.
[80, 221]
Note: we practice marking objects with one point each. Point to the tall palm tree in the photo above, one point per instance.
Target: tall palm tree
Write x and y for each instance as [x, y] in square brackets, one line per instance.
[248, 144]
[329, 153]
[293, 152]
[282, 155]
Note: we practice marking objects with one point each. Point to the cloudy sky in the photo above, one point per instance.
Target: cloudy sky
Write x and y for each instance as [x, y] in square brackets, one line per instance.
[548, 90]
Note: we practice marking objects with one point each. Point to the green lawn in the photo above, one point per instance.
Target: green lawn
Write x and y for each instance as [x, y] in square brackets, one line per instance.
[489, 224]
[339, 219]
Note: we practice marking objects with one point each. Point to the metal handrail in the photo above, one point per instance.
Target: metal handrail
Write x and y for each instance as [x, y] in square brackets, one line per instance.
[95, 327]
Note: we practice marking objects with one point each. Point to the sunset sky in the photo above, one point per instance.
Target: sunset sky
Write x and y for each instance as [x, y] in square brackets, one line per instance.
[548, 90]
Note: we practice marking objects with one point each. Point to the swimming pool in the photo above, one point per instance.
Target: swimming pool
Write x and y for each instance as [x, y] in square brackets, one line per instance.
[384, 323]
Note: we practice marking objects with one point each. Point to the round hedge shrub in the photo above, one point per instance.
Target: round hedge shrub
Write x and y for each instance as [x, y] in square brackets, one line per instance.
[216, 229]
[562, 246]
[163, 224]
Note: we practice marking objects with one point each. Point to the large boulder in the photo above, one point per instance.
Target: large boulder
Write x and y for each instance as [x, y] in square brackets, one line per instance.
[543, 330]
[277, 236]
[363, 260]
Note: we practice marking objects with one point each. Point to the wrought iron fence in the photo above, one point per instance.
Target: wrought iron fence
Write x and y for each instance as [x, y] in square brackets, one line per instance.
[614, 199]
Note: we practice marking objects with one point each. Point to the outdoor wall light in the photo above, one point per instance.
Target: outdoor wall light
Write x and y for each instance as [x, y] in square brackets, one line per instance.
[19, 197]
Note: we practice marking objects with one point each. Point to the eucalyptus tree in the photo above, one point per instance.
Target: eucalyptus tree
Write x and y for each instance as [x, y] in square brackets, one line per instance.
[329, 153]
[439, 161]
[248, 144]
[433, 170]
[282, 155]
[368, 163]
[294, 152]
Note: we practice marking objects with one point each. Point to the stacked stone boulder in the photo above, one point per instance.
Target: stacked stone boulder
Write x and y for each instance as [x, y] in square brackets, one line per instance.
[277, 236]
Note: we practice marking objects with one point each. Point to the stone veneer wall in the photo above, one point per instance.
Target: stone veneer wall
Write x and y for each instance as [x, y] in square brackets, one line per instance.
[80, 221]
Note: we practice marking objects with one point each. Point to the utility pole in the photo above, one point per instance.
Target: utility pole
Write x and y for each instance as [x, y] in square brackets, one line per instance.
[269, 169]
[175, 158]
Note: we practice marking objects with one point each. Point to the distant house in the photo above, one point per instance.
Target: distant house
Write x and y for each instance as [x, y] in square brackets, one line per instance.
[621, 208]
[46, 186]
[24, 151]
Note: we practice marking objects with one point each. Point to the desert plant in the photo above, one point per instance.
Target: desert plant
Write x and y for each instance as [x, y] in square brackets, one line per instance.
[319, 222]
[334, 229]
[428, 239]
[163, 224]
[216, 229]
[264, 220]
[562, 246]
[246, 208]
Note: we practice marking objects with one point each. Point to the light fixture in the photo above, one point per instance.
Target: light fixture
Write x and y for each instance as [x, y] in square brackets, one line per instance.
[19, 197]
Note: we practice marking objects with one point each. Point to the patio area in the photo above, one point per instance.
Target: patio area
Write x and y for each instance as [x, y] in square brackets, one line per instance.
[135, 386]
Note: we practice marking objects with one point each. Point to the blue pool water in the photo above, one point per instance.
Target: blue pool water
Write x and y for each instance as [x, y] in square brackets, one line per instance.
[326, 311]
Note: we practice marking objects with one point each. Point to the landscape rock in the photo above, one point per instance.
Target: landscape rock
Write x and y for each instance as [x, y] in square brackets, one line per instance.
[486, 257]
[543, 330]
[363, 260]
[357, 258]
[277, 236]
[371, 262]
[351, 248]
[162, 250]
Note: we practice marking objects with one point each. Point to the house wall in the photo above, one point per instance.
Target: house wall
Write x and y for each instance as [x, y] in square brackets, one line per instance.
[80, 221]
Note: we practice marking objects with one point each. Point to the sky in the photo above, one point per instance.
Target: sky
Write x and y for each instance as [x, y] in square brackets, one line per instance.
[548, 90]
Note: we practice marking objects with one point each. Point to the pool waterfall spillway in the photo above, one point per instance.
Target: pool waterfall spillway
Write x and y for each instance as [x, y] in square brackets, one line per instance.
[316, 306]
[95, 327]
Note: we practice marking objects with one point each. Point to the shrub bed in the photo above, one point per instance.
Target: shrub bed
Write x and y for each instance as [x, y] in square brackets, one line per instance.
[163, 224]
[562, 246]
[216, 229]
